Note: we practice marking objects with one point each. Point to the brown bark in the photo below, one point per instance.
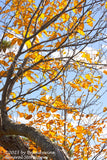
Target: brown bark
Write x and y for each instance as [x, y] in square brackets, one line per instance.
[15, 146]
[52, 150]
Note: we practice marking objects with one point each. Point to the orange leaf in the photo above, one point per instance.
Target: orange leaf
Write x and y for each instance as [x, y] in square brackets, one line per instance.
[31, 107]
[79, 101]
[104, 109]
[14, 40]
[47, 115]
[4, 63]
[20, 114]
[28, 117]
[105, 72]
[48, 109]
[51, 122]
[7, 108]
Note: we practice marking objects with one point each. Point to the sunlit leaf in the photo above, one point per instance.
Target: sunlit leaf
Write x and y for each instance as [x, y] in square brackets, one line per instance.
[91, 89]
[106, 5]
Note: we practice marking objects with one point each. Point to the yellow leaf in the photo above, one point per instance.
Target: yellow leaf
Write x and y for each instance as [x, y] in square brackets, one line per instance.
[53, 110]
[16, 31]
[29, 1]
[13, 96]
[9, 35]
[89, 13]
[88, 58]
[89, 133]
[88, 77]
[28, 44]
[24, 103]
[79, 101]
[42, 16]
[57, 116]
[101, 84]
[91, 89]
[90, 22]
[75, 6]
[106, 5]
[81, 32]
[71, 36]
[74, 86]
[29, 78]
[45, 88]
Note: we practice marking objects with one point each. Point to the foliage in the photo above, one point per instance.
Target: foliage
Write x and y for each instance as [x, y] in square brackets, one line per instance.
[48, 78]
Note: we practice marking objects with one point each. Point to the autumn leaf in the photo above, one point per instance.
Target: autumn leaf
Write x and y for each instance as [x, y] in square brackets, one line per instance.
[106, 5]
[31, 107]
[81, 32]
[4, 63]
[14, 40]
[78, 101]
[91, 89]
[13, 96]
[20, 114]
[90, 22]
[27, 117]
[48, 109]
[105, 72]
[45, 88]
[74, 86]
[89, 13]
[104, 109]
[42, 16]
[28, 44]
[47, 115]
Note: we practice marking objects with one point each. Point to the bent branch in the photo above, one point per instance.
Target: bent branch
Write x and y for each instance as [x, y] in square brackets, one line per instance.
[56, 152]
